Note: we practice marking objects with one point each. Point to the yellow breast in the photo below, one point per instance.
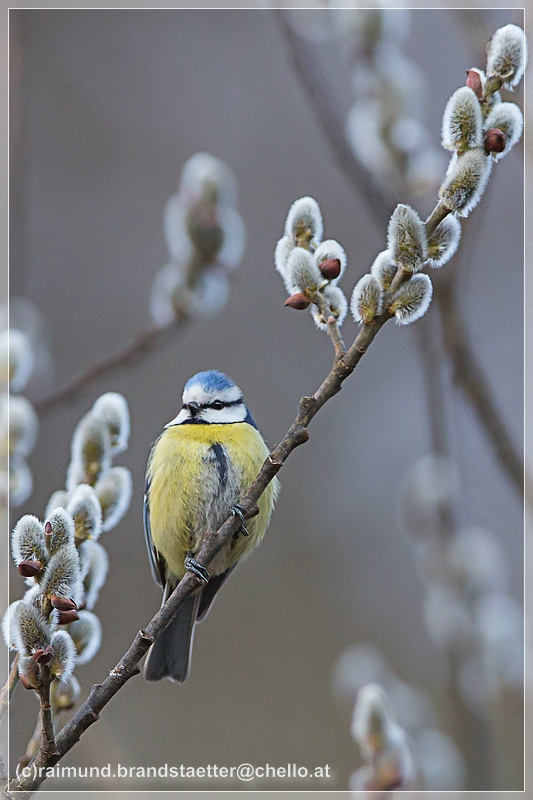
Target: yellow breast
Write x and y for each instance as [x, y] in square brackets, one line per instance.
[191, 490]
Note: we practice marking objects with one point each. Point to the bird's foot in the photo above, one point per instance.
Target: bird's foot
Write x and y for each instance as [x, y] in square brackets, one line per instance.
[238, 511]
[192, 565]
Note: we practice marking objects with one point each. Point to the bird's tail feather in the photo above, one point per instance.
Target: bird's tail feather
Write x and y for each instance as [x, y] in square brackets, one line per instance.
[170, 654]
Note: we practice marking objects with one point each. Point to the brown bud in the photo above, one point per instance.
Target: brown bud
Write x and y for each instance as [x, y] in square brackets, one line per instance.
[48, 529]
[494, 141]
[25, 682]
[63, 603]
[330, 268]
[43, 656]
[473, 80]
[66, 617]
[298, 301]
[29, 569]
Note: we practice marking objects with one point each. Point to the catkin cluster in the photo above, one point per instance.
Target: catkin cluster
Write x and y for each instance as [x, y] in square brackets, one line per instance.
[480, 129]
[395, 726]
[53, 626]
[468, 607]
[383, 744]
[18, 421]
[310, 267]
[205, 237]
[385, 126]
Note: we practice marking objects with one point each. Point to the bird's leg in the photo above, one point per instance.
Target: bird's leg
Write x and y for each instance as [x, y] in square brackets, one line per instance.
[192, 565]
[238, 511]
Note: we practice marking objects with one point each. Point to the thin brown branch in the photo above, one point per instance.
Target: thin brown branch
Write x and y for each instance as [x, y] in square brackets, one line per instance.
[48, 743]
[468, 372]
[143, 344]
[128, 666]
[9, 687]
[333, 327]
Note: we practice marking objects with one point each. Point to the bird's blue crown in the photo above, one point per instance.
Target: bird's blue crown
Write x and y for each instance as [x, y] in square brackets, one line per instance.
[211, 380]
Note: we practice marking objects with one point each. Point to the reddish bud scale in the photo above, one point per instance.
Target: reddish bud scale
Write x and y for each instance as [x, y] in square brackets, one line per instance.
[66, 617]
[495, 141]
[473, 80]
[298, 301]
[29, 569]
[63, 603]
[43, 656]
[25, 682]
[48, 528]
[330, 268]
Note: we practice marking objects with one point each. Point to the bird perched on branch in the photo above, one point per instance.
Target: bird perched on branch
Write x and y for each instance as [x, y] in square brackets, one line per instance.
[199, 468]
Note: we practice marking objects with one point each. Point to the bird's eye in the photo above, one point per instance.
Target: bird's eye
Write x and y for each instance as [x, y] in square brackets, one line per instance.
[218, 405]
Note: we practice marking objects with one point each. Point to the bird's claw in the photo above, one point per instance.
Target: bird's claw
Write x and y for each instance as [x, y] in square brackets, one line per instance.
[192, 565]
[238, 511]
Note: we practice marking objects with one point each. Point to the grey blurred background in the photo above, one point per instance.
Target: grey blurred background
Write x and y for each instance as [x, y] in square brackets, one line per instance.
[107, 107]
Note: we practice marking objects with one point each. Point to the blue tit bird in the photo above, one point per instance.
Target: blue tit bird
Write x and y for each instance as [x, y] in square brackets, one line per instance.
[199, 468]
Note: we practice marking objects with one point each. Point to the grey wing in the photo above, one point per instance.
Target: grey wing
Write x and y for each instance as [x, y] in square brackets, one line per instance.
[157, 562]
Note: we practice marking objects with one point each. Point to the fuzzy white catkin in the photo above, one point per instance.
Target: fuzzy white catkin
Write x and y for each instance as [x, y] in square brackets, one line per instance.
[367, 299]
[167, 284]
[382, 741]
[64, 659]
[444, 241]
[84, 507]
[335, 298]
[234, 238]
[112, 408]
[62, 530]
[177, 239]
[465, 182]
[90, 452]
[203, 172]
[304, 215]
[507, 55]
[94, 567]
[62, 574]
[478, 559]
[20, 481]
[462, 121]
[210, 294]
[446, 617]
[372, 716]
[331, 249]
[66, 692]
[16, 359]
[304, 274]
[114, 494]
[87, 635]
[407, 240]
[27, 540]
[281, 255]
[412, 299]
[384, 269]
[8, 629]
[29, 629]
[23, 424]
[509, 119]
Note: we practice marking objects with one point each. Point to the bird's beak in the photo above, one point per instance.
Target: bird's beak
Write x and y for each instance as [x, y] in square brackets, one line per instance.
[194, 408]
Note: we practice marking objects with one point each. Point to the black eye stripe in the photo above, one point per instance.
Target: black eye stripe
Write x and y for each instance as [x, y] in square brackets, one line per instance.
[225, 404]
